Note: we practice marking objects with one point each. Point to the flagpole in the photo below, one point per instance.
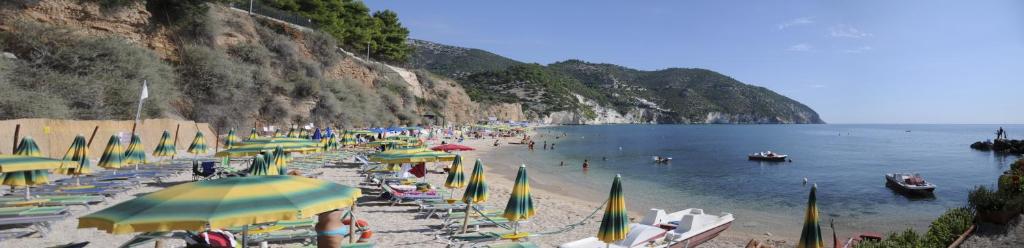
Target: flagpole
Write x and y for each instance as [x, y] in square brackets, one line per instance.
[142, 96]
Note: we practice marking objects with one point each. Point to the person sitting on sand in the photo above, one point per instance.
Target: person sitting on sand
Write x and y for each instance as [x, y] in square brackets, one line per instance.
[330, 232]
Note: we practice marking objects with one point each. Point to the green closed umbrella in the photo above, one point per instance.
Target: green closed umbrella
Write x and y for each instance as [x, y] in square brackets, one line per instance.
[280, 161]
[520, 203]
[476, 191]
[113, 154]
[259, 166]
[135, 154]
[198, 145]
[810, 236]
[614, 223]
[456, 177]
[166, 146]
[76, 160]
[27, 148]
[253, 134]
[231, 140]
[292, 133]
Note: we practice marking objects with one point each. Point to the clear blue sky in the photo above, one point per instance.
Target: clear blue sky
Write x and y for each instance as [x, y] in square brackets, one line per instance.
[852, 61]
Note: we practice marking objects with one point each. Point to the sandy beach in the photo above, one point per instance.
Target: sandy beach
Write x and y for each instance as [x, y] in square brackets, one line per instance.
[401, 225]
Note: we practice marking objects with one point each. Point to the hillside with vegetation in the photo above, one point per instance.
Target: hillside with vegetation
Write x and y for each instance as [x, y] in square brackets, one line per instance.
[675, 95]
[71, 59]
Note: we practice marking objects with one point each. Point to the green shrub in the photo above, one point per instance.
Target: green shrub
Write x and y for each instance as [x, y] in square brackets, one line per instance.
[948, 227]
[250, 53]
[983, 199]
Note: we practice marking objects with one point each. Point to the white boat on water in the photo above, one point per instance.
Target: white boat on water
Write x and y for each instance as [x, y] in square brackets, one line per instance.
[686, 228]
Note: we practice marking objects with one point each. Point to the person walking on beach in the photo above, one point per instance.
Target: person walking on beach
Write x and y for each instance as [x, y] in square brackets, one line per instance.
[545, 145]
[562, 163]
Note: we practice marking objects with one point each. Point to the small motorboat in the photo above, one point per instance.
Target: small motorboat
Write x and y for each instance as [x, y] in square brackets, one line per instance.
[662, 160]
[909, 183]
[767, 156]
[686, 228]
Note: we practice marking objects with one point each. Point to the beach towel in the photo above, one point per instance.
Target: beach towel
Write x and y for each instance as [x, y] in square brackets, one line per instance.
[420, 170]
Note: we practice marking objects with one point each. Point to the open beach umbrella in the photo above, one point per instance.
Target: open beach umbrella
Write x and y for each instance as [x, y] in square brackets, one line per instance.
[810, 237]
[135, 154]
[198, 145]
[253, 134]
[259, 166]
[76, 160]
[520, 203]
[27, 148]
[113, 154]
[231, 140]
[451, 147]
[280, 161]
[223, 203]
[476, 191]
[257, 146]
[165, 148]
[614, 223]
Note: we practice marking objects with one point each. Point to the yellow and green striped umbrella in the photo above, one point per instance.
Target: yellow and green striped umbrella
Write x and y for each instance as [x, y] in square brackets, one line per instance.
[615, 223]
[292, 133]
[476, 191]
[810, 237]
[269, 159]
[259, 166]
[348, 139]
[280, 161]
[198, 145]
[277, 134]
[456, 178]
[253, 134]
[113, 154]
[166, 146]
[223, 203]
[135, 154]
[27, 148]
[303, 133]
[332, 143]
[257, 146]
[76, 160]
[231, 140]
[520, 203]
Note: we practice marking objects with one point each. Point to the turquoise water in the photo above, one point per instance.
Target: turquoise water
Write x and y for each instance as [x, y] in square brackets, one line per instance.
[710, 170]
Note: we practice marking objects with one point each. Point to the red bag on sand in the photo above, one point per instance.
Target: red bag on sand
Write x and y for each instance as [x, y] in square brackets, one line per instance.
[420, 170]
[218, 238]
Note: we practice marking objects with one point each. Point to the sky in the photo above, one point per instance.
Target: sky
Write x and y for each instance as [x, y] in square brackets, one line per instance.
[872, 61]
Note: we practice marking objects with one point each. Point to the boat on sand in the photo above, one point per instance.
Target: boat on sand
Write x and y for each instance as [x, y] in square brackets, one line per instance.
[686, 228]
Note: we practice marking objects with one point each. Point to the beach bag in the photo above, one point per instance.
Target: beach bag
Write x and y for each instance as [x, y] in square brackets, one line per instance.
[218, 238]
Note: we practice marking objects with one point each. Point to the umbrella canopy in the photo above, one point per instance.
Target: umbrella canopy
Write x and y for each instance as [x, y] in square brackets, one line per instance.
[113, 154]
[135, 153]
[27, 148]
[520, 203]
[292, 133]
[223, 203]
[367, 132]
[348, 139]
[272, 170]
[810, 237]
[332, 143]
[253, 134]
[259, 166]
[165, 148]
[418, 156]
[280, 161]
[476, 191]
[316, 134]
[456, 178]
[76, 160]
[257, 146]
[231, 140]
[198, 145]
[615, 223]
[451, 147]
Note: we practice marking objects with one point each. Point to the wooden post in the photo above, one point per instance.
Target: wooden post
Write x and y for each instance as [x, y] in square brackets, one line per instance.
[216, 141]
[91, 137]
[176, 129]
[352, 223]
[17, 131]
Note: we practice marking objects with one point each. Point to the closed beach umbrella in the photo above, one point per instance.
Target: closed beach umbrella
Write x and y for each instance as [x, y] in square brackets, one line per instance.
[259, 166]
[280, 161]
[456, 178]
[348, 139]
[166, 146]
[476, 191]
[231, 140]
[520, 203]
[135, 154]
[615, 223]
[317, 135]
[76, 160]
[28, 148]
[277, 133]
[223, 203]
[198, 145]
[113, 154]
[810, 237]
[253, 134]
[272, 170]
[292, 133]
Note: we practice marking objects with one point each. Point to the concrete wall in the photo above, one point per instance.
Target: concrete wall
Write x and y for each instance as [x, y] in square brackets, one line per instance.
[62, 132]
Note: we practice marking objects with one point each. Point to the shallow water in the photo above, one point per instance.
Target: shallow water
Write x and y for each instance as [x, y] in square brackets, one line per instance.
[710, 170]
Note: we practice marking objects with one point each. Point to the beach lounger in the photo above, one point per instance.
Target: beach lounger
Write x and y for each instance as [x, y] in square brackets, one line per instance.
[36, 216]
[461, 215]
[399, 196]
[15, 234]
[513, 245]
[55, 200]
[486, 221]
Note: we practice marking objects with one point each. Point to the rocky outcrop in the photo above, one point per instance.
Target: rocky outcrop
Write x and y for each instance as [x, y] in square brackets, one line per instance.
[1000, 146]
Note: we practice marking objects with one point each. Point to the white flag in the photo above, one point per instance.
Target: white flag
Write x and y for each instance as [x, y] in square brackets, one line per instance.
[145, 91]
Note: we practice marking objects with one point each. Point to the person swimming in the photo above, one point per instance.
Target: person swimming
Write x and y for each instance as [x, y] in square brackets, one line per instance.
[586, 163]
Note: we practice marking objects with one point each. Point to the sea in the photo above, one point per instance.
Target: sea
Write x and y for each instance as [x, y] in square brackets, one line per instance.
[710, 170]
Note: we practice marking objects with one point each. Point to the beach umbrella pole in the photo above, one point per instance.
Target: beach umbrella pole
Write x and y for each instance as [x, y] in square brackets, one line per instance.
[245, 236]
[352, 224]
[465, 221]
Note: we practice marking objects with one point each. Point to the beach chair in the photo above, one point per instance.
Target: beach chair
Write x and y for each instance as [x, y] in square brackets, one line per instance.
[53, 200]
[35, 216]
[15, 234]
[204, 170]
[399, 196]
[482, 222]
